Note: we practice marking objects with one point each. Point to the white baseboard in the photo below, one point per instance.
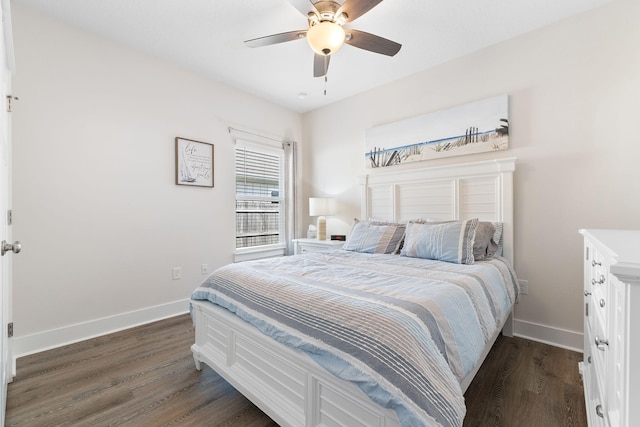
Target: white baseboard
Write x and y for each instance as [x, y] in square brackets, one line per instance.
[563, 338]
[46, 340]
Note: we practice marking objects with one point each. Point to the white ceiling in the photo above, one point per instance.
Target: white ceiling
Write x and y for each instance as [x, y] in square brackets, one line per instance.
[207, 36]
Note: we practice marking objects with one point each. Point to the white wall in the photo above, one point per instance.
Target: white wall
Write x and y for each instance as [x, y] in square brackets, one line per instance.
[574, 111]
[95, 205]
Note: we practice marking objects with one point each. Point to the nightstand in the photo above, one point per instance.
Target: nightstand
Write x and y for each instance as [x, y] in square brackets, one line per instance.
[303, 246]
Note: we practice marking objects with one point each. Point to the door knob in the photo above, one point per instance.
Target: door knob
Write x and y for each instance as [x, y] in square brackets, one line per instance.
[16, 247]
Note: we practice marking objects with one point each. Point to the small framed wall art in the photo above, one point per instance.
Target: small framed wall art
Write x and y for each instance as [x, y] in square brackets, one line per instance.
[194, 163]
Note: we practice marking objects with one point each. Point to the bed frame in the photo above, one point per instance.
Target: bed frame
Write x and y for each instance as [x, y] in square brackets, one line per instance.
[286, 383]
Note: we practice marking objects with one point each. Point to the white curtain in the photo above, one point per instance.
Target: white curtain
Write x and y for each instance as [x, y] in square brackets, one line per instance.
[290, 194]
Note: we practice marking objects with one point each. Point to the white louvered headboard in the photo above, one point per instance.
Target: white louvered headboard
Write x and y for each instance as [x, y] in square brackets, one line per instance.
[482, 190]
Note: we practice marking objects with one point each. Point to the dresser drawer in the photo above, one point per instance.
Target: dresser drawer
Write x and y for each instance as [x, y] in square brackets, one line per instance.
[599, 306]
[597, 287]
[598, 272]
[593, 382]
[599, 349]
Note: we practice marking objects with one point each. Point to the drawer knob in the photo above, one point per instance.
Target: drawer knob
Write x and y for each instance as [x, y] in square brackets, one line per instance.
[598, 282]
[602, 303]
[599, 411]
[601, 344]
[594, 263]
[587, 293]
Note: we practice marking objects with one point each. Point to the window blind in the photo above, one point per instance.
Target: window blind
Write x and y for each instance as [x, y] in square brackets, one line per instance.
[259, 201]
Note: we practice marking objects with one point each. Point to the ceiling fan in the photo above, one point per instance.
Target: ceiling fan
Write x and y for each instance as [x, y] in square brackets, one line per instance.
[326, 33]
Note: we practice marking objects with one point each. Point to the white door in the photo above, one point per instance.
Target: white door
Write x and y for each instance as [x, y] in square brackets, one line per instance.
[6, 52]
[5, 363]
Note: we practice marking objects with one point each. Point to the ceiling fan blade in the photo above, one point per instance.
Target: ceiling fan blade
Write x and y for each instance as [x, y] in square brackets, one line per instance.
[276, 38]
[304, 6]
[320, 65]
[372, 42]
[356, 8]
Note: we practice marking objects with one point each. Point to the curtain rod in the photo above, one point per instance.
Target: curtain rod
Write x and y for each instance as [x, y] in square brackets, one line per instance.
[254, 134]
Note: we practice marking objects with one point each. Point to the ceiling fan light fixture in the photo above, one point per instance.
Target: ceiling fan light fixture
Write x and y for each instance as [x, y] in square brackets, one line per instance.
[326, 37]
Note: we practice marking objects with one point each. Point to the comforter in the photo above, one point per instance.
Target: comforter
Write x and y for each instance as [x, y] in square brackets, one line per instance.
[405, 330]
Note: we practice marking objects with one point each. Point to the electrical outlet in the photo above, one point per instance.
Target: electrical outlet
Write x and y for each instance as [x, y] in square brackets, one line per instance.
[524, 287]
[177, 273]
[204, 269]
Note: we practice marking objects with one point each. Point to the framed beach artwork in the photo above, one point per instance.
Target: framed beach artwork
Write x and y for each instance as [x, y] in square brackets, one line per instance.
[471, 128]
[194, 163]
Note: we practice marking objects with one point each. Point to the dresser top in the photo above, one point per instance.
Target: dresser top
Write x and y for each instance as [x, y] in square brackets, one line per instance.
[622, 247]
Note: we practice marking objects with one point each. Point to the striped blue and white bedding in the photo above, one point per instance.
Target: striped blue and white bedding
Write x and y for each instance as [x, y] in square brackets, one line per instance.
[404, 330]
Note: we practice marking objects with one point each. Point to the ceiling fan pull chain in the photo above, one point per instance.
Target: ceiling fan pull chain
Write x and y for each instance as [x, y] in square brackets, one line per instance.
[325, 85]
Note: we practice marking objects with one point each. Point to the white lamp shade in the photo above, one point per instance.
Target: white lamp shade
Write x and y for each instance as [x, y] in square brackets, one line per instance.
[325, 37]
[322, 206]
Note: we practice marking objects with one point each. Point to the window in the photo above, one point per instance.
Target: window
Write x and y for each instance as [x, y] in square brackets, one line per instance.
[259, 196]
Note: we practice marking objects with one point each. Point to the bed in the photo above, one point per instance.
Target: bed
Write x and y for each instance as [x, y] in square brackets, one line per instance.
[279, 331]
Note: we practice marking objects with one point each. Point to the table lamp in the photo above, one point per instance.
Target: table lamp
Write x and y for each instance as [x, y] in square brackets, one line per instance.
[321, 207]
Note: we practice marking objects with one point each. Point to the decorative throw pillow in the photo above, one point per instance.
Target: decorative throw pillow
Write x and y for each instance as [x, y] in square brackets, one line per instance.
[497, 238]
[483, 245]
[375, 237]
[451, 241]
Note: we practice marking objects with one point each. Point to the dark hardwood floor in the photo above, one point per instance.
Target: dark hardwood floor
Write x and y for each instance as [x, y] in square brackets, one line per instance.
[145, 376]
[526, 383]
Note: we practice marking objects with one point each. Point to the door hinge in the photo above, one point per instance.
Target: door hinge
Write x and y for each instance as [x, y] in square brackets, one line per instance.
[9, 217]
[10, 99]
[10, 329]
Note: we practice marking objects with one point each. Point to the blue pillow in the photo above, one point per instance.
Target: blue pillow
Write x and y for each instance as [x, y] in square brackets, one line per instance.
[451, 241]
[374, 237]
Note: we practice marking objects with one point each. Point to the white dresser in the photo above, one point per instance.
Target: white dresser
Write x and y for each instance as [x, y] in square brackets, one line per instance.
[611, 366]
